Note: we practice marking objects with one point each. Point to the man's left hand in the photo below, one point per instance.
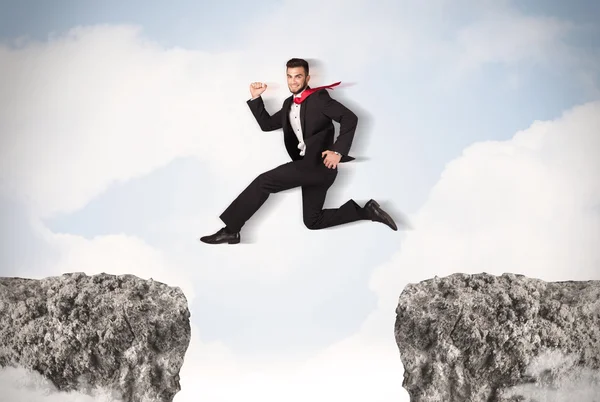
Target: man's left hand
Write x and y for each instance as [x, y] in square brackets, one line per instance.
[331, 159]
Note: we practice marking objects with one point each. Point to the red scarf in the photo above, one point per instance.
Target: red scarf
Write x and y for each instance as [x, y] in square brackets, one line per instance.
[308, 91]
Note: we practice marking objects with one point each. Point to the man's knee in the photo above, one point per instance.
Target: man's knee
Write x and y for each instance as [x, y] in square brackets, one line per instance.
[312, 223]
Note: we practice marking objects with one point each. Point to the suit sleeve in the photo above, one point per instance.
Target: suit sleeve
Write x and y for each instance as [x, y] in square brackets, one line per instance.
[341, 114]
[264, 119]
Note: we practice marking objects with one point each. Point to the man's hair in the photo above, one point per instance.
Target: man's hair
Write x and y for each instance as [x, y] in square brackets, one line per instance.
[298, 63]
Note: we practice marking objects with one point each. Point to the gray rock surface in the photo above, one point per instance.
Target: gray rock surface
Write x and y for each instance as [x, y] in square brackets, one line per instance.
[488, 338]
[118, 333]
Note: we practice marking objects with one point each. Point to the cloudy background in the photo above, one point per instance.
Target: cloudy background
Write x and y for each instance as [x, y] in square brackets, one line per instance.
[125, 133]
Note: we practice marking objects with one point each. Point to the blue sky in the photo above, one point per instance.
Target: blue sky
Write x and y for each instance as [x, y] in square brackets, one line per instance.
[122, 147]
[212, 26]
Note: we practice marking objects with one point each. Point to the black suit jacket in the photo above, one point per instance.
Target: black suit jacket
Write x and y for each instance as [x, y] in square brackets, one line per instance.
[316, 115]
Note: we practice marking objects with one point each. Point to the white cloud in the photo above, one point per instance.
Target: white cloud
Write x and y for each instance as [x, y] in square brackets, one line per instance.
[24, 385]
[567, 382]
[116, 255]
[351, 370]
[509, 37]
[526, 205]
[102, 104]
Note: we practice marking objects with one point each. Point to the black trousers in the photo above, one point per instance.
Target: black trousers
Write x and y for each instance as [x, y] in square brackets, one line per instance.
[314, 178]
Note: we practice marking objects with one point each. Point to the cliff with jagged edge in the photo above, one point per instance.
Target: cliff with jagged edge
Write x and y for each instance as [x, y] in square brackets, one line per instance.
[117, 333]
[485, 338]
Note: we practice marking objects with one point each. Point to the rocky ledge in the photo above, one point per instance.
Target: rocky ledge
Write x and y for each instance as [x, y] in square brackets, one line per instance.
[486, 338]
[117, 333]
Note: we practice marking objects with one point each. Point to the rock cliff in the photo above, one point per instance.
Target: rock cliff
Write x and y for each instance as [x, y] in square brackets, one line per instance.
[118, 333]
[485, 338]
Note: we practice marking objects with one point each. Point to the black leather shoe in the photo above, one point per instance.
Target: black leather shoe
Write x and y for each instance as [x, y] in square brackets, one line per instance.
[374, 212]
[222, 236]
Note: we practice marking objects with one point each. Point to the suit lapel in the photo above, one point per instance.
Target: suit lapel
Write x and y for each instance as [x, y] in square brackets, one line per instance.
[286, 115]
[289, 138]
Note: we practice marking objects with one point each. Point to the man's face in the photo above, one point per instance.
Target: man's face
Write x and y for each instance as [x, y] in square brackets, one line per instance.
[297, 79]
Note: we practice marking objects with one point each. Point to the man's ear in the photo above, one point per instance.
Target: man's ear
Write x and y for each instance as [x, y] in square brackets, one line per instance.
[307, 78]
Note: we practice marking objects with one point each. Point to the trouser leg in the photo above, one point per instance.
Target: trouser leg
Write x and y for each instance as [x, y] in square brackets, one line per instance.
[315, 217]
[283, 177]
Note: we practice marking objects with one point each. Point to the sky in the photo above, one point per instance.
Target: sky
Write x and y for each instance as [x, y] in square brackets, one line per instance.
[125, 134]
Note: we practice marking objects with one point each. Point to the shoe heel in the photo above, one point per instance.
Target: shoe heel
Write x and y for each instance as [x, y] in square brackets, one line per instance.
[236, 241]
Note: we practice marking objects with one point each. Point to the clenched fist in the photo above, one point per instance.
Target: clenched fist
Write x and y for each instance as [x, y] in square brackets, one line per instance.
[257, 88]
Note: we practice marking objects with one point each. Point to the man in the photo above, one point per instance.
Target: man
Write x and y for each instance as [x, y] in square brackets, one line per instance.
[308, 134]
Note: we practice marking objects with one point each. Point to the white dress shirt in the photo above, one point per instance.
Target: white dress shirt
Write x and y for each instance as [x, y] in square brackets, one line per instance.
[296, 126]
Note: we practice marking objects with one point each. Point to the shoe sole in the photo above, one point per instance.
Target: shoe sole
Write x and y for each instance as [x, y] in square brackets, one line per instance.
[236, 241]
